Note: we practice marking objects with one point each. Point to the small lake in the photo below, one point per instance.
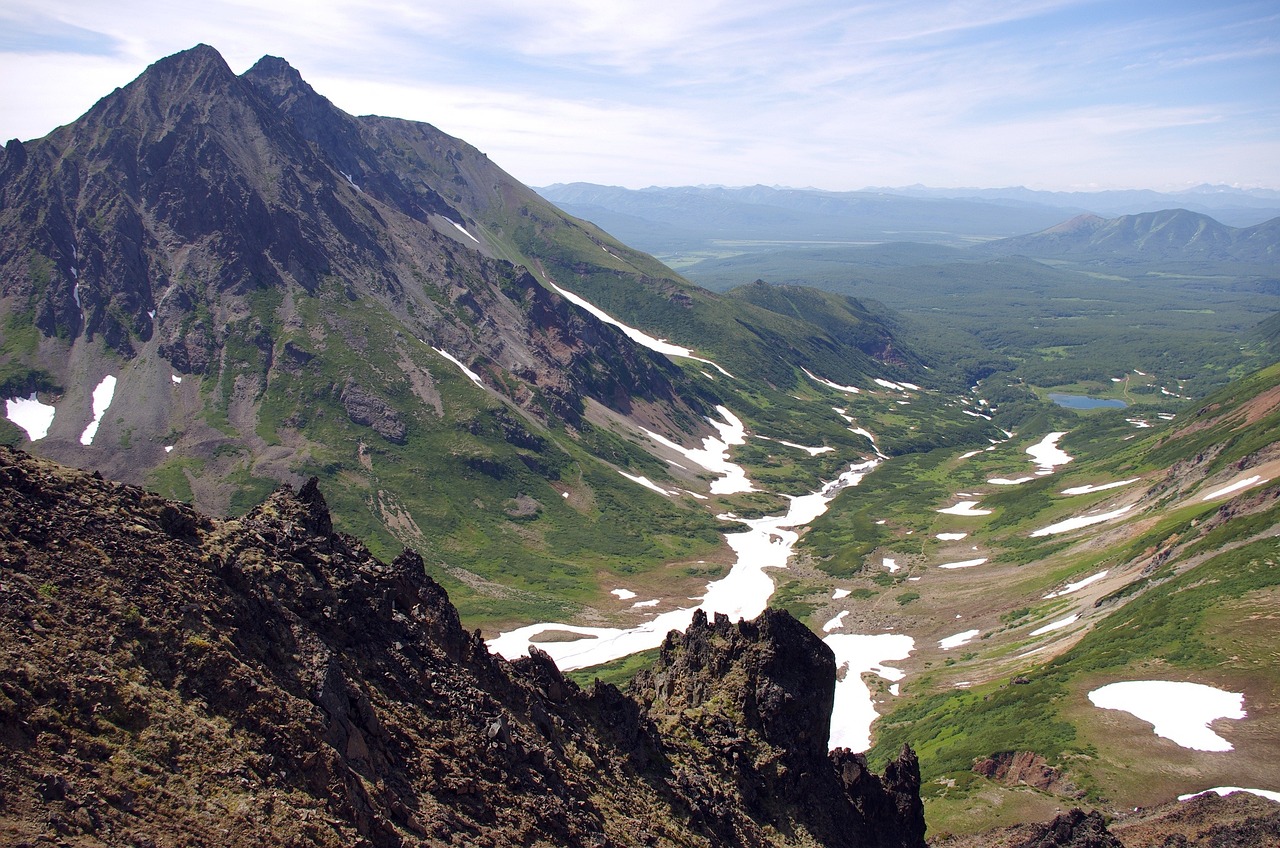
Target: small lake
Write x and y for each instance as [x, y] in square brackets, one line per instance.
[1085, 402]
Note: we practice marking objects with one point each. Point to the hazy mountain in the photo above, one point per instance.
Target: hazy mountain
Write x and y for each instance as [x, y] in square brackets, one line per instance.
[657, 219]
[1233, 206]
[1171, 234]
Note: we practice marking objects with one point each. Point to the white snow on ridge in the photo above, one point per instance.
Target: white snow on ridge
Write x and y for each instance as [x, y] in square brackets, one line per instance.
[1080, 521]
[958, 640]
[638, 336]
[1234, 487]
[854, 709]
[459, 227]
[835, 623]
[1089, 490]
[1047, 455]
[1073, 587]
[475, 378]
[102, 396]
[1178, 711]
[31, 415]
[1002, 481]
[1224, 791]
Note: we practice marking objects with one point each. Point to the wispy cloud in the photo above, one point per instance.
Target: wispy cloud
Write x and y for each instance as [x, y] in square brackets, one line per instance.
[815, 92]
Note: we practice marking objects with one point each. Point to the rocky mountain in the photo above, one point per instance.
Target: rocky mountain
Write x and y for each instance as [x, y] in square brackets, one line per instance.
[172, 678]
[1172, 234]
[214, 283]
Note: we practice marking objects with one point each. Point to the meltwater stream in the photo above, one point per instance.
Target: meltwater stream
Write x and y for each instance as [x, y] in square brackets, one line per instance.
[743, 593]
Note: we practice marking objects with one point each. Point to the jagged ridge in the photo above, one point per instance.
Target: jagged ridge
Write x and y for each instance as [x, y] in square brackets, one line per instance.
[176, 677]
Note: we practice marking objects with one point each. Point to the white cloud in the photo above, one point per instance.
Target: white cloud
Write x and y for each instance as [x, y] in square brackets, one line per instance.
[1051, 93]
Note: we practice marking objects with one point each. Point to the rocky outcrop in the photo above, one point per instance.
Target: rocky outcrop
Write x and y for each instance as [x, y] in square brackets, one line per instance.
[175, 679]
[747, 706]
[1014, 768]
[1073, 829]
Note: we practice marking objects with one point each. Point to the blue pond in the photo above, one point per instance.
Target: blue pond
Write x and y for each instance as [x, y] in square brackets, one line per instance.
[1085, 402]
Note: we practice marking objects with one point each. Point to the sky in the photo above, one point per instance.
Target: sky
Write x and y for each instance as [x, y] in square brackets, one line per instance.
[1050, 94]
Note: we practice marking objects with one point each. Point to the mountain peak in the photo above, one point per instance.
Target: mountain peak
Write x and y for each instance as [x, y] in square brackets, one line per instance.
[279, 80]
[201, 62]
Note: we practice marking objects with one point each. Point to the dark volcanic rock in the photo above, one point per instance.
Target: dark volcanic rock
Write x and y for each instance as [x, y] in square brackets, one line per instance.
[1073, 829]
[173, 679]
[756, 696]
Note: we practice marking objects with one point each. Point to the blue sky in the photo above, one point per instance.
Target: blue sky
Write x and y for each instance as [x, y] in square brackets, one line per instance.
[1051, 94]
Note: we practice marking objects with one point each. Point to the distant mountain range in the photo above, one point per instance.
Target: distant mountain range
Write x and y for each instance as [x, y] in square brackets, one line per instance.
[671, 221]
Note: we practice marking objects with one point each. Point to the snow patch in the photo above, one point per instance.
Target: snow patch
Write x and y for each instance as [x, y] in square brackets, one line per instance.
[1078, 585]
[463, 230]
[1080, 521]
[968, 563]
[623, 594]
[951, 537]
[31, 415]
[638, 336]
[964, 508]
[957, 640]
[714, 454]
[854, 709]
[835, 623]
[1234, 487]
[1178, 711]
[1056, 625]
[850, 389]
[1002, 481]
[743, 593]
[646, 482]
[1089, 490]
[840, 593]
[102, 396]
[1047, 455]
[890, 564]
[475, 378]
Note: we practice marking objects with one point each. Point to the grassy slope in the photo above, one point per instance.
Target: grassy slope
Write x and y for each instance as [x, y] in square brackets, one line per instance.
[1191, 581]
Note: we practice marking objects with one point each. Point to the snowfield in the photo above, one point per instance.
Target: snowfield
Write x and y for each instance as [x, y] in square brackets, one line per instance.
[854, 709]
[1178, 711]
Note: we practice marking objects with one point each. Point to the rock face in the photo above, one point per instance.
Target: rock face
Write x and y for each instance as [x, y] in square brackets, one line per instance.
[172, 679]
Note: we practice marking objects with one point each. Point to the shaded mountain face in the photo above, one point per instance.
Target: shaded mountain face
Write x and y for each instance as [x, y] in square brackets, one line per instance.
[178, 678]
[1173, 234]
